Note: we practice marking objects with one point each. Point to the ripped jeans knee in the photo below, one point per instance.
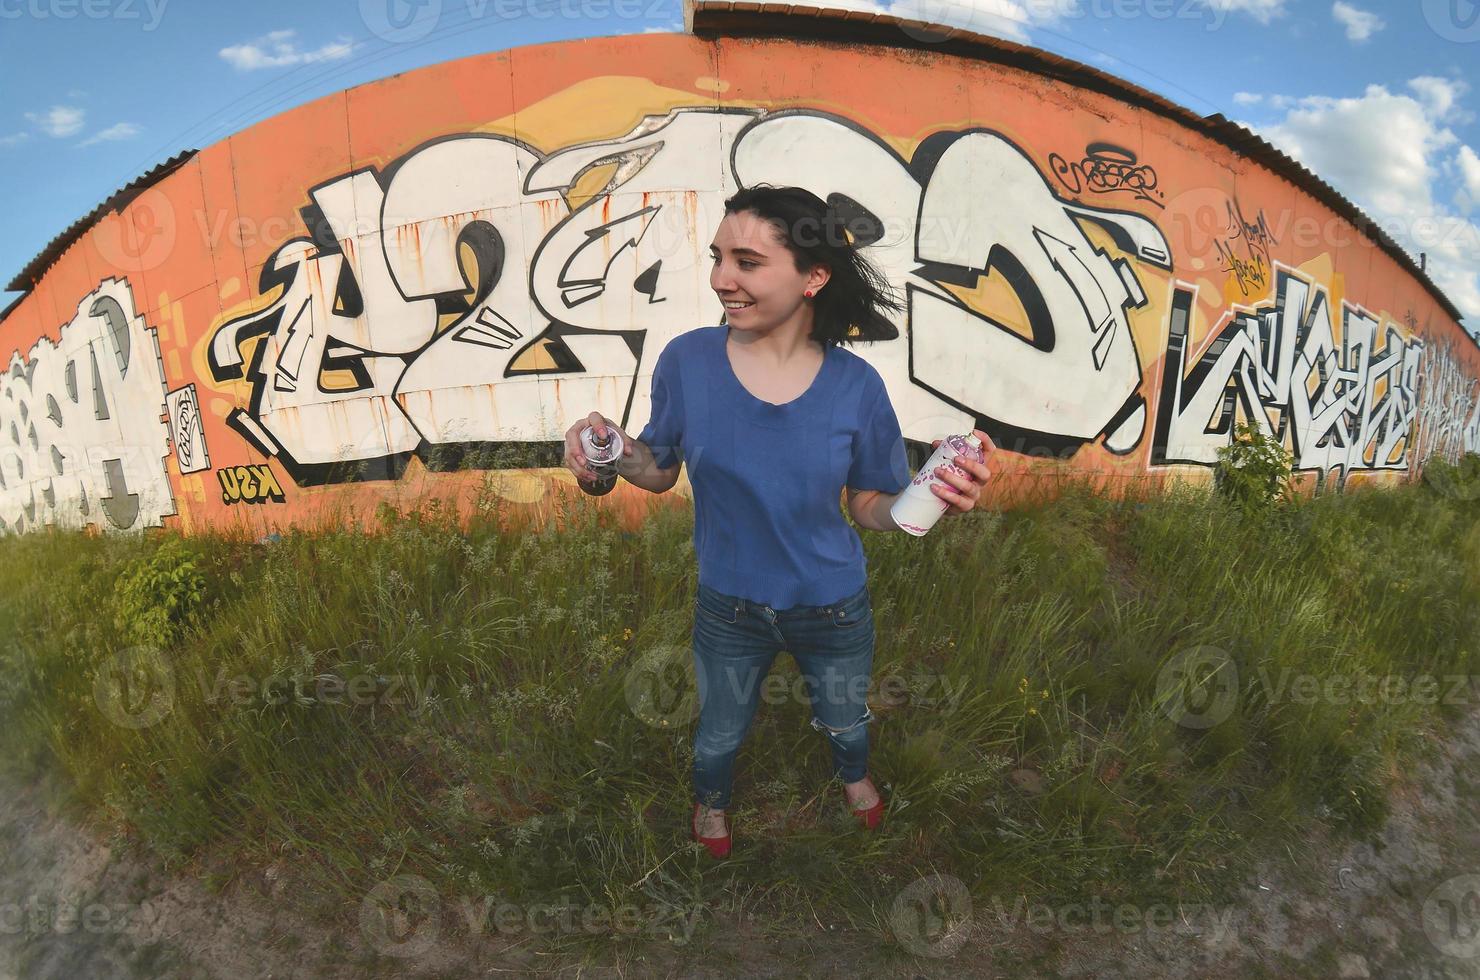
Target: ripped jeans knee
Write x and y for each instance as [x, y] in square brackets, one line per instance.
[867, 717]
[849, 747]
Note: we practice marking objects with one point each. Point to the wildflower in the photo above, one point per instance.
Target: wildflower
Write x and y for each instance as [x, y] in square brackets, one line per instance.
[1023, 685]
[626, 633]
[1044, 695]
[1032, 711]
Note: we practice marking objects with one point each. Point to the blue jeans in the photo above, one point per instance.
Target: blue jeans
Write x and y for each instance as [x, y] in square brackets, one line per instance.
[735, 643]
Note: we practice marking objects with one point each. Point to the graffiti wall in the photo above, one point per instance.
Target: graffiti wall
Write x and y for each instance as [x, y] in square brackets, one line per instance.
[388, 293]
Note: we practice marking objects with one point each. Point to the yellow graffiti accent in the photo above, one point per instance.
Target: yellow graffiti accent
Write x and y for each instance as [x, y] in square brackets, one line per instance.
[252, 484]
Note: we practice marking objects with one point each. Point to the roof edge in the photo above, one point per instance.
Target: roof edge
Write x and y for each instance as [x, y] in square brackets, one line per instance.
[747, 18]
[27, 278]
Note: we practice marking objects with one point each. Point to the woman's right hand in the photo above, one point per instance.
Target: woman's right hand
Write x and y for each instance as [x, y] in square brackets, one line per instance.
[575, 454]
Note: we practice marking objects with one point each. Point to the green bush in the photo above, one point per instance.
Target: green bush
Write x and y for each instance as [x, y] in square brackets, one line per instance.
[1253, 472]
[1458, 481]
[158, 594]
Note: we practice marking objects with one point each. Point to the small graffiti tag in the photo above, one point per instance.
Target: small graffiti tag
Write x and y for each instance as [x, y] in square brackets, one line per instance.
[1105, 169]
[255, 484]
[1245, 252]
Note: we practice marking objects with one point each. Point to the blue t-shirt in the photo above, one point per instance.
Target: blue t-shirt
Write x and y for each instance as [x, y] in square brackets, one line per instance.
[767, 478]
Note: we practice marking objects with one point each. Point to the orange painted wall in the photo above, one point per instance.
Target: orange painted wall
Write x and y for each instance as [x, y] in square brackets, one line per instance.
[1132, 228]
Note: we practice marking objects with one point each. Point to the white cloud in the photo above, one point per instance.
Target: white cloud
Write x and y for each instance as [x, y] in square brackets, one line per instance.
[1469, 178]
[1384, 150]
[1359, 24]
[1010, 19]
[59, 121]
[1247, 98]
[14, 139]
[279, 49]
[119, 131]
[1439, 95]
[1261, 10]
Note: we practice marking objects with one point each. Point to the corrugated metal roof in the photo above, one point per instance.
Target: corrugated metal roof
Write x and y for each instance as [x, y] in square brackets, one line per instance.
[117, 201]
[728, 18]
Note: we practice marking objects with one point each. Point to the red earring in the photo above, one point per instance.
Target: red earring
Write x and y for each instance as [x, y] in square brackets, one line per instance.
[807, 293]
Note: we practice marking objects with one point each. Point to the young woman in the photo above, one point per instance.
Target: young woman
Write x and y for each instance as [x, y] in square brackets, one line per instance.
[774, 418]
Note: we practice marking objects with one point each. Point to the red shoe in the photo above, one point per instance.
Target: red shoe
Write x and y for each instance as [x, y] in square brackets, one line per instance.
[718, 846]
[871, 818]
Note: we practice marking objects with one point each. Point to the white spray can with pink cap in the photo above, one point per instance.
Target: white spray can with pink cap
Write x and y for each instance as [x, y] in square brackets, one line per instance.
[918, 508]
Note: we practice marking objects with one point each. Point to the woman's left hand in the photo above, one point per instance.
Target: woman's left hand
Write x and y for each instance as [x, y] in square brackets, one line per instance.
[968, 489]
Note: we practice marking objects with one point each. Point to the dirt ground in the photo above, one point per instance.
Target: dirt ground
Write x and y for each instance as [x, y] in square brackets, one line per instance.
[1405, 905]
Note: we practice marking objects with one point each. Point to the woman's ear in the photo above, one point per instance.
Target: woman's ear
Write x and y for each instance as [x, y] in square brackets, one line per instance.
[819, 277]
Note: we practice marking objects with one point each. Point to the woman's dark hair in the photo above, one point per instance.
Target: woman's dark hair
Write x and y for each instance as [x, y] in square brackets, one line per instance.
[818, 233]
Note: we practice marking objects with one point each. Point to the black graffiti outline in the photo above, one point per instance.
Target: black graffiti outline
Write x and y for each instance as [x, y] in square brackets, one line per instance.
[1105, 169]
[1179, 379]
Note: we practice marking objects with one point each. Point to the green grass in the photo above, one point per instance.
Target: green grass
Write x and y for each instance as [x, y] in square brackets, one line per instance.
[525, 773]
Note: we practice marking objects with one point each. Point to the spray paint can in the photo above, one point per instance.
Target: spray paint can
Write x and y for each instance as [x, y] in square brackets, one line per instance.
[601, 459]
[918, 508]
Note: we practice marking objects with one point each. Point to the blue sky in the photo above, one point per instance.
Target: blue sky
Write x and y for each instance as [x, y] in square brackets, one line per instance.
[1379, 97]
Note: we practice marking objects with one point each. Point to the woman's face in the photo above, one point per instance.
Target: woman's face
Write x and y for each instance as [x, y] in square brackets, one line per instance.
[755, 276]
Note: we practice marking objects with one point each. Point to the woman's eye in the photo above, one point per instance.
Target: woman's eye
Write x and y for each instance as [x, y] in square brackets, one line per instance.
[742, 263]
